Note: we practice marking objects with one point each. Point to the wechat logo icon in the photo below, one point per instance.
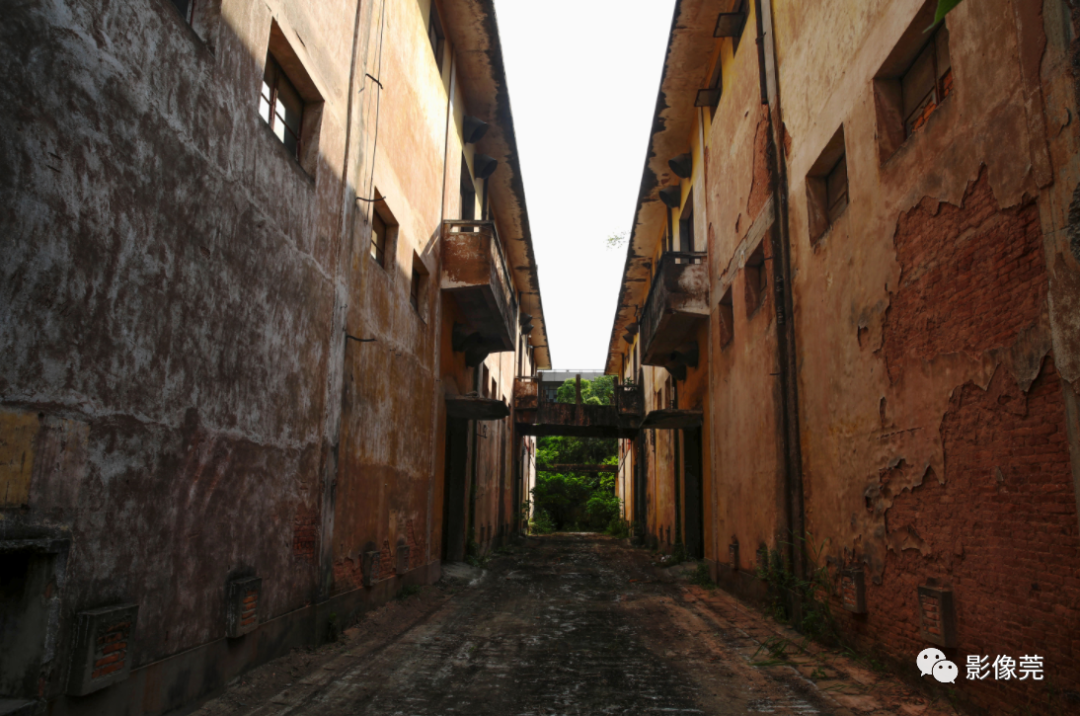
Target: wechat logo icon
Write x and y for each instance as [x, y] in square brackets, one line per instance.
[933, 661]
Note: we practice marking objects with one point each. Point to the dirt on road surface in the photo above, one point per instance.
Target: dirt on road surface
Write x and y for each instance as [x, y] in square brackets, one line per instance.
[566, 624]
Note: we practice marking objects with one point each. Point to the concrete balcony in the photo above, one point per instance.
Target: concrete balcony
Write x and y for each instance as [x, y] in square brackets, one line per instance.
[475, 273]
[678, 303]
[526, 392]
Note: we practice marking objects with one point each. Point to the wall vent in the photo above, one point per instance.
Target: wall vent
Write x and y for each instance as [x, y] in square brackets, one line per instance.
[242, 606]
[372, 566]
[853, 590]
[937, 615]
[102, 648]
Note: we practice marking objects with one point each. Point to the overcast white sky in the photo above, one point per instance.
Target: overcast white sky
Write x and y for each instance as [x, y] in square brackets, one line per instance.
[583, 77]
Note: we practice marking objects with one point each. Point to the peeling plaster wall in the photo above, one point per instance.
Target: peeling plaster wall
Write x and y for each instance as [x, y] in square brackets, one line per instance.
[167, 295]
[928, 299]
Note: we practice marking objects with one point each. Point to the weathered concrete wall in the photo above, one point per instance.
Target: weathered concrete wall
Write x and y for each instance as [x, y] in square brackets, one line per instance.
[168, 294]
[203, 374]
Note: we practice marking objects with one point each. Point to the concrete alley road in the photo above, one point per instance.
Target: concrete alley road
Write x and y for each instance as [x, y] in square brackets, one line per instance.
[568, 624]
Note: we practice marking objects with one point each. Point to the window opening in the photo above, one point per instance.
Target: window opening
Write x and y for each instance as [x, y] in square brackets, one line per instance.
[378, 239]
[281, 106]
[756, 280]
[414, 292]
[726, 319]
[436, 36]
[827, 187]
[836, 186]
[418, 285]
[927, 82]
[186, 9]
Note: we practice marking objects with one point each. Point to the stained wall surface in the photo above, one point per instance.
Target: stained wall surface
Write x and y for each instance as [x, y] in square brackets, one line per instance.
[204, 375]
[901, 399]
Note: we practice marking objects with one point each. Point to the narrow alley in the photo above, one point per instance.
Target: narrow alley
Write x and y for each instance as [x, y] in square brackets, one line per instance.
[733, 367]
[567, 624]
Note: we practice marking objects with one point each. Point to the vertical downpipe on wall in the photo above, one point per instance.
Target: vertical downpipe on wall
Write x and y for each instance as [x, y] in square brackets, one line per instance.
[780, 239]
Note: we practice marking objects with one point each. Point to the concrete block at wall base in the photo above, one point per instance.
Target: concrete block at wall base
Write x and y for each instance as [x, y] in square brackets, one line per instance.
[186, 679]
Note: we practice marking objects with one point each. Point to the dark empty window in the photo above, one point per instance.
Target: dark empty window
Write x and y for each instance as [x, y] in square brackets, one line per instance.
[726, 320]
[927, 82]
[836, 194]
[468, 192]
[756, 280]
[186, 8]
[378, 239]
[281, 106]
[435, 35]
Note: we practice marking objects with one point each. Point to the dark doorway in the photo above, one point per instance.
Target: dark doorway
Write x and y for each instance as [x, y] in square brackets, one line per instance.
[640, 476]
[27, 578]
[695, 533]
[468, 192]
[457, 460]
[686, 225]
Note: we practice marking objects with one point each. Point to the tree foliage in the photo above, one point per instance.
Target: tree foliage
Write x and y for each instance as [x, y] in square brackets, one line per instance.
[575, 501]
[600, 391]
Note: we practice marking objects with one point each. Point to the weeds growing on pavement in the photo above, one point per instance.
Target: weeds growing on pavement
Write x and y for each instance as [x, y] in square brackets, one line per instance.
[813, 593]
[618, 527]
[701, 577]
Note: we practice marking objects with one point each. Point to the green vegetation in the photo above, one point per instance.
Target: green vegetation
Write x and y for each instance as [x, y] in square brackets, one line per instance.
[578, 501]
[813, 594]
[943, 8]
[593, 392]
[701, 576]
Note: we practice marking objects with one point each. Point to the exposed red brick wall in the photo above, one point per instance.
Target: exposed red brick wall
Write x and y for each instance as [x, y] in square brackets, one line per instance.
[973, 276]
[305, 533]
[1002, 533]
[347, 575]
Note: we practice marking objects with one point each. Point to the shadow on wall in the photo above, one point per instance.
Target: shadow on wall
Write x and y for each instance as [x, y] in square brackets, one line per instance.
[175, 229]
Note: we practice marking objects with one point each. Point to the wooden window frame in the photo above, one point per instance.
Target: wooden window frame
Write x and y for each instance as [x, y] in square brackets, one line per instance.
[283, 66]
[898, 118]
[274, 80]
[383, 254]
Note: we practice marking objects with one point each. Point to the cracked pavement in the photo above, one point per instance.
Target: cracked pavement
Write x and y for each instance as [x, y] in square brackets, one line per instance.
[568, 624]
